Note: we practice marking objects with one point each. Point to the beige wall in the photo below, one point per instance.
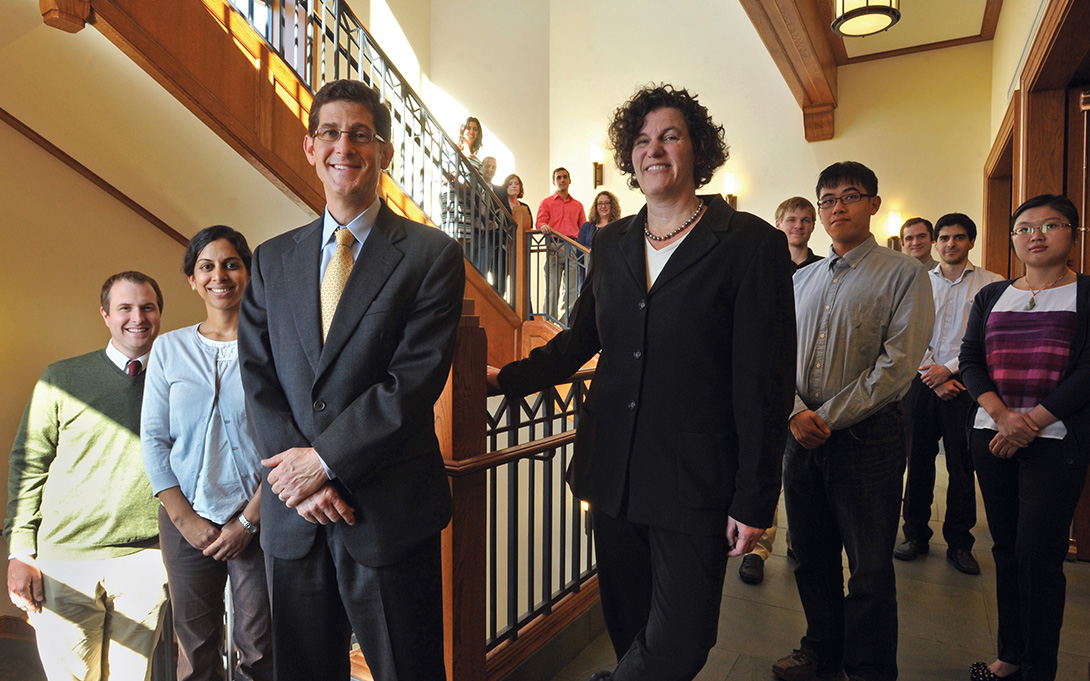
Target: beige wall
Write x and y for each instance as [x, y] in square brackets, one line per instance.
[1013, 34]
[61, 237]
[920, 121]
[491, 60]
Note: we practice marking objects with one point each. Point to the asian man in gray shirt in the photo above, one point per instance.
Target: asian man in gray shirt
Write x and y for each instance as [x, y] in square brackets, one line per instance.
[864, 317]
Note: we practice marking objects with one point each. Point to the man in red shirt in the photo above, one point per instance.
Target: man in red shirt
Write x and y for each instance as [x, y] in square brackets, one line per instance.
[562, 214]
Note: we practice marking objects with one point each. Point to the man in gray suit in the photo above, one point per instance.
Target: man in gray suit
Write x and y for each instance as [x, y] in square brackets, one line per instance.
[346, 339]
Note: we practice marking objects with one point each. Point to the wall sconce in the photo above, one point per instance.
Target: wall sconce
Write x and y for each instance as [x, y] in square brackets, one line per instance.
[596, 163]
[893, 231]
[730, 189]
[855, 18]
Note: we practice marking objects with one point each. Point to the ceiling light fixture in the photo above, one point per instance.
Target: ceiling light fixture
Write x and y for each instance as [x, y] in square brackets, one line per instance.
[855, 18]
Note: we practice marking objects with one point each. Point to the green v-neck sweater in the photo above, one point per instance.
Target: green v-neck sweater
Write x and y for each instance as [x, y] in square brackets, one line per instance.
[77, 488]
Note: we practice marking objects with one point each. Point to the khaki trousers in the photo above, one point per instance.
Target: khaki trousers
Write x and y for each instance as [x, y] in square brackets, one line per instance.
[101, 618]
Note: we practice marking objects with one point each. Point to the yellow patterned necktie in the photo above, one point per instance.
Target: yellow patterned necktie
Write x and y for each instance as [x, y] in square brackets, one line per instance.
[336, 274]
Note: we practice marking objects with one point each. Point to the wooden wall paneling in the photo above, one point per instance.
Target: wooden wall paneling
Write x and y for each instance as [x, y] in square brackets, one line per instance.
[996, 254]
[1041, 167]
[1059, 47]
[998, 189]
[1078, 173]
[1078, 188]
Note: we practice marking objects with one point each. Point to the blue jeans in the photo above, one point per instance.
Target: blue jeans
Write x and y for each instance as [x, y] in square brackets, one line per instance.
[561, 274]
[846, 494]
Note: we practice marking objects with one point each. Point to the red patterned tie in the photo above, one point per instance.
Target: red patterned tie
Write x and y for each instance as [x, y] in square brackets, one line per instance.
[132, 367]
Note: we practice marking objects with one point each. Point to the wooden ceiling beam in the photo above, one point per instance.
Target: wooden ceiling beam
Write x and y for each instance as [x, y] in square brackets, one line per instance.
[991, 19]
[794, 34]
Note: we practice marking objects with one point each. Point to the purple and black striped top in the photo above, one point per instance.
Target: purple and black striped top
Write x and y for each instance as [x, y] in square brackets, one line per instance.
[1028, 351]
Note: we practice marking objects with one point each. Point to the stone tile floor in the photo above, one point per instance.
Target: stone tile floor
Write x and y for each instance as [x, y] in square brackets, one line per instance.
[947, 619]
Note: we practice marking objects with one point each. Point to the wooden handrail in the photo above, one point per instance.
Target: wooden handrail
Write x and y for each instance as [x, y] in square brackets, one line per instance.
[484, 462]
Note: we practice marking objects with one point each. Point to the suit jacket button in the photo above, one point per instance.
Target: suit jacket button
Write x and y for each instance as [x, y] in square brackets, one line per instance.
[642, 304]
[632, 404]
[637, 354]
[319, 405]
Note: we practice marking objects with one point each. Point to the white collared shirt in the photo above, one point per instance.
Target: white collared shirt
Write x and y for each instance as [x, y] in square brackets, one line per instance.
[953, 300]
[119, 358]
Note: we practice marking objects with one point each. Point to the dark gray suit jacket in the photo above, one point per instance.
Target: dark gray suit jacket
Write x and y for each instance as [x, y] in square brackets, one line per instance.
[688, 411]
[365, 399]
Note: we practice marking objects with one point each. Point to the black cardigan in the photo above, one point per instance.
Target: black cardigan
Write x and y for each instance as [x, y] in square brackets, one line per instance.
[1070, 400]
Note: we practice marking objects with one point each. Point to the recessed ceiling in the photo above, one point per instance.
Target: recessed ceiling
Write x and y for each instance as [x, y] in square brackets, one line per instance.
[923, 22]
[924, 25]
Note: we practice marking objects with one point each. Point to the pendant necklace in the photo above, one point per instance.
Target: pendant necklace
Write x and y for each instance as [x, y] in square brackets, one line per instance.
[1033, 294]
[652, 237]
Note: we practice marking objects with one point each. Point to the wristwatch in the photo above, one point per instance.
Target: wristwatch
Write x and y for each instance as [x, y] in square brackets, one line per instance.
[246, 524]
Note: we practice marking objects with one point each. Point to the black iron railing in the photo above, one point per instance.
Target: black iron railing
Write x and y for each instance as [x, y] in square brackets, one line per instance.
[322, 40]
[556, 268]
[539, 543]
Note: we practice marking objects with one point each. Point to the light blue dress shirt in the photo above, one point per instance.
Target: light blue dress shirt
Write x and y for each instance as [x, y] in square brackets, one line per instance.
[193, 425]
[360, 226]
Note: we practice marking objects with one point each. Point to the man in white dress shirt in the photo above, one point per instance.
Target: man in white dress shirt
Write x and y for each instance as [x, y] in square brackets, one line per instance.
[937, 404]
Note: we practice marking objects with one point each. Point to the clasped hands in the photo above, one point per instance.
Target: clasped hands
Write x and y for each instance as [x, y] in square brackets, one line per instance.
[1016, 430]
[939, 378]
[298, 479]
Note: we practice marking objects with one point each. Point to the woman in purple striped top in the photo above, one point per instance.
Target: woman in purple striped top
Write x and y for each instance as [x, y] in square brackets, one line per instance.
[1025, 358]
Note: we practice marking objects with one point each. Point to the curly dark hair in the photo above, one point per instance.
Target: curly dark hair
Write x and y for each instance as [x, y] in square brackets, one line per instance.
[614, 207]
[710, 151]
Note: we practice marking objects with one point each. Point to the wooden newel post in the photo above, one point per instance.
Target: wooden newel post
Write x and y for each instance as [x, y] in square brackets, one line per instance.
[460, 425]
[520, 274]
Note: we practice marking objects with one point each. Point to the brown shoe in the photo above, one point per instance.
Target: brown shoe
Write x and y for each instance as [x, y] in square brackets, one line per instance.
[800, 665]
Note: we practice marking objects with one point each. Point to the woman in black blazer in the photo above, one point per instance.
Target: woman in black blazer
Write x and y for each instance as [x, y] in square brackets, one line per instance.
[1026, 359]
[680, 441]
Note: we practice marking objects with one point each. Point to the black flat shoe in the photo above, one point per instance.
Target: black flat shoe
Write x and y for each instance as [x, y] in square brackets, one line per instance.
[978, 671]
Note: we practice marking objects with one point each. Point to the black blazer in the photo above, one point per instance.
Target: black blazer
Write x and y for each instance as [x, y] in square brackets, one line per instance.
[689, 406]
[1070, 400]
[365, 399]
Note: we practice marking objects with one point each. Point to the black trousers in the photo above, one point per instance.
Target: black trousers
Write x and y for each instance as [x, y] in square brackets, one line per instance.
[660, 594]
[396, 612]
[1030, 500]
[929, 418]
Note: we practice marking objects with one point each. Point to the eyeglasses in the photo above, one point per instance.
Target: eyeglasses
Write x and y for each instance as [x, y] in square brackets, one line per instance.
[848, 199]
[357, 137]
[1023, 229]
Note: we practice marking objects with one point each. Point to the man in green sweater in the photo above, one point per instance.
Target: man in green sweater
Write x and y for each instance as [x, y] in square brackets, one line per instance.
[81, 527]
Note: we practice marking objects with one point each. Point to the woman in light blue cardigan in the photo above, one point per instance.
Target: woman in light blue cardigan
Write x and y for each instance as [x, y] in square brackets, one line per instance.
[202, 463]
